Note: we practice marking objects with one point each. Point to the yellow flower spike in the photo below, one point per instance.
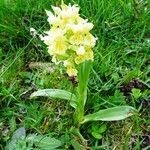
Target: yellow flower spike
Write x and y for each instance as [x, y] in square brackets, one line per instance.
[69, 40]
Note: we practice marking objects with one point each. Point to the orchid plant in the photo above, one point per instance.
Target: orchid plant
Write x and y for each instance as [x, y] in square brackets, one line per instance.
[70, 43]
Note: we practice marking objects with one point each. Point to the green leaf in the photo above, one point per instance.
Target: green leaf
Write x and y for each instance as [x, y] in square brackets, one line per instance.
[18, 137]
[45, 142]
[56, 93]
[111, 114]
[136, 93]
[96, 135]
[19, 134]
[76, 145]
[96, 127]
[118, 98]
[102, 128]
[130, 75]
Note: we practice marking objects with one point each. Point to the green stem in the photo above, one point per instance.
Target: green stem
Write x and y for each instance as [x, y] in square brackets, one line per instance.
[83, 76]
[80, 108]
[77, 133]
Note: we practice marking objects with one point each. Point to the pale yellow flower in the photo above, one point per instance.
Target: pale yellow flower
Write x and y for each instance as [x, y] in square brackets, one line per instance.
[76, 38]
[89, 40]
[89, 54]
[53, 20]
[87, 27]
[82, 27]
[70, 12]
[80, 59]
[80, 50]
[56, 42]
[47, 39]
[67, 63]
[58, 46]
[77, 28]
[71, 71]
[56, 10]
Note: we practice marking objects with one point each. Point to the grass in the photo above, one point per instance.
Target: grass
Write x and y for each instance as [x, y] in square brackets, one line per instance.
[121, 56]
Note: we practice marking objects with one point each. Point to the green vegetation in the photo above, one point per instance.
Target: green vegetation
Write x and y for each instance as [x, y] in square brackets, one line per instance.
[120, 76]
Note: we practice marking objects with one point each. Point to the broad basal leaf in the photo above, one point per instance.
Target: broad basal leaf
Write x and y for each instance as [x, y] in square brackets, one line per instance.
[111, 114]
[56, 93]
[18, 136]
[46, 143]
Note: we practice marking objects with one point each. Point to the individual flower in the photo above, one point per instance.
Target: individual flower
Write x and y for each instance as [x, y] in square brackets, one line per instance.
[89, 40]
[80, 50]
[76, 38]
[71, 71]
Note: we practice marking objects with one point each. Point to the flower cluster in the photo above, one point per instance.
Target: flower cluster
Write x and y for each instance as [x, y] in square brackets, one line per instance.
[69, 39]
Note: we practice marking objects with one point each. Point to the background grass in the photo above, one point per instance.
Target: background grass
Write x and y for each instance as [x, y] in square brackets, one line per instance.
[121, 64]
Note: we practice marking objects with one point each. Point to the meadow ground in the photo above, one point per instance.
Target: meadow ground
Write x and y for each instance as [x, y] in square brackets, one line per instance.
[120, 75]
